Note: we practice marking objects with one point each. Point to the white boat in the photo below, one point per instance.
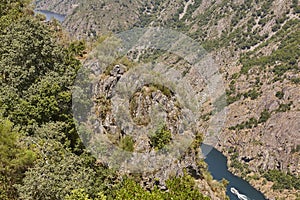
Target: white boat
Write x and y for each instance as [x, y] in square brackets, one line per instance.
[236, 192]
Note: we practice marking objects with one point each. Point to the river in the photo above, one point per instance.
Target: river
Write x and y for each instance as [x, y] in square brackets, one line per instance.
[49, 15]
[217, 166]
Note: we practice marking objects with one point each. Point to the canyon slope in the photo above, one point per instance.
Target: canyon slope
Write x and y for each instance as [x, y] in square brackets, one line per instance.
[255, 44]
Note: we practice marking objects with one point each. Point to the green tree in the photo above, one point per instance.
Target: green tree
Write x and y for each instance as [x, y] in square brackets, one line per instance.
[12, 10]
[15, 158]
[36, 74]
[183, 188]
[58, 172]
[80, 194]
[282, 180]
[179, 188]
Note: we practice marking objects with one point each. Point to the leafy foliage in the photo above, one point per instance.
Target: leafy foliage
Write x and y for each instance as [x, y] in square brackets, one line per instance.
[127, 143]
[287, 53]
[264, 116]
[58, 172]
[178, 188]
[15, 158]
[282, 180]
[36, 76]
[36, 72]
[10, 11]
[183, 188]
[80, 194]
[161, 137]
[253, 122]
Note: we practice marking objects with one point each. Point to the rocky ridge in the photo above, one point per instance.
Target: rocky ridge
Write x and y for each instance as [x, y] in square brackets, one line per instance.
[248, 40]
[157, 167]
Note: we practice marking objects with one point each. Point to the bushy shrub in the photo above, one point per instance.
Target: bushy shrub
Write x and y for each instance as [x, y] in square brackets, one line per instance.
[127, 143]
[264, 116]
[161, 137]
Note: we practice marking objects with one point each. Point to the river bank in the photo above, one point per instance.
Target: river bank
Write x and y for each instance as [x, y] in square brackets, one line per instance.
[217, 166]
[264, 186]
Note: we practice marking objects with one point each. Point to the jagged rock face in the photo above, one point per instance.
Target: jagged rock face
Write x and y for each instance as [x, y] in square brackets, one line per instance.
[154, 166]
[268, 145]
[149, 104]
[282, 137]
[142, 103]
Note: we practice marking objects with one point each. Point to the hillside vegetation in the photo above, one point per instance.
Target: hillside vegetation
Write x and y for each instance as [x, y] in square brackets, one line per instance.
[255, 43]
[41, 154]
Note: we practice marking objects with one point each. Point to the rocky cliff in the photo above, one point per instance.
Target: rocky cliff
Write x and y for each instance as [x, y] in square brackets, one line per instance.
[256, 46]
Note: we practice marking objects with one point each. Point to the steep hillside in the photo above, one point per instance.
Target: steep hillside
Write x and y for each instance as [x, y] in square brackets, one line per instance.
[41, 154]
[95, 18]
[58, 6]
[256, 45]
[91, 18]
